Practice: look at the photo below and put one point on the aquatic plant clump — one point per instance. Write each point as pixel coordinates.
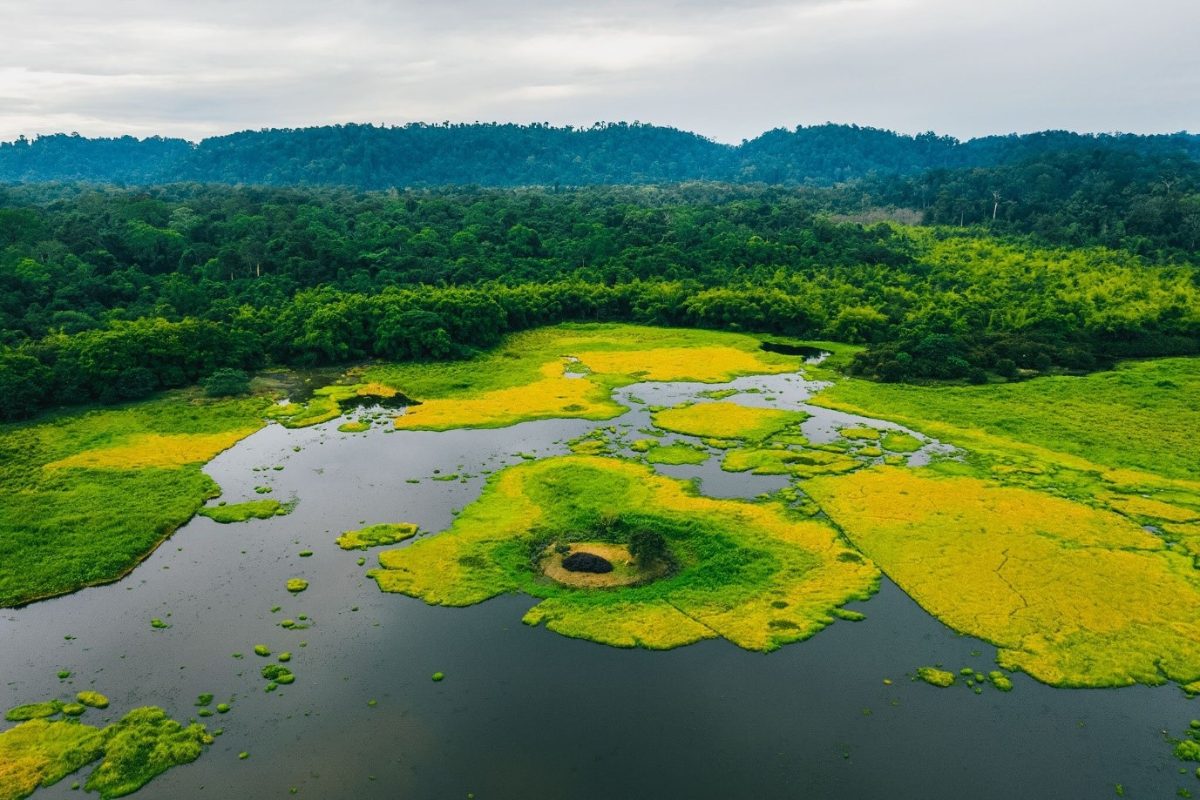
(377, 535)
(92, 699)
(132, 751)
(1071, 594)
(936, 677)
(727, 421)
(676, 454)
(296, 585)
(753, 573)
(240, 512)
(34, 711)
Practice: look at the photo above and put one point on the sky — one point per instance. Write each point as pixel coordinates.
(727, 70)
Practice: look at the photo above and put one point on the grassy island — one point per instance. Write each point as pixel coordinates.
(752, 573)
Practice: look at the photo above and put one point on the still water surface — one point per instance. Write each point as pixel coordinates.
(525, 713)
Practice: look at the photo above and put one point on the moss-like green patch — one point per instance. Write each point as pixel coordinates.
(132, 751)
(88, 494)
(936, 677)
(296, 585)
(357, 426)
(731, 561)
(376, 535)
(728, 421)
(898, 442)
(677, 453)
(863, 433)
(92, 699)
(240, 512)
(33, 711)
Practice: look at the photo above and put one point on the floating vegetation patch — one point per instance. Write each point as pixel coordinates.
(729, 563)
(936, 677)
(1071, 594)
(727, 421)
(132, 752)
(863, 434)
(677, 453)
(251, 509)
(296, 585)
(356, 426)
(376, 535)
(92, 699)
(34, 711)
(900, 442)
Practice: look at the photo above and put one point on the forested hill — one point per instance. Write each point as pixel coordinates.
(420, 155)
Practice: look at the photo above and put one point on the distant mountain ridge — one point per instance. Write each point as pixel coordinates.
(508, 155)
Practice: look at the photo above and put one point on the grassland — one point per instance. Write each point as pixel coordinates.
(1071, 594)
(568, 371)
(1142, 415)
(752, 573)
(88, 494)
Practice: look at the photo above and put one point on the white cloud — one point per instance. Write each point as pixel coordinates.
(725, 70)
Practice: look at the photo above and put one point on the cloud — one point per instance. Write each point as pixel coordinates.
(721, 69)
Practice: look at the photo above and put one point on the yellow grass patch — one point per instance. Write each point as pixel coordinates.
(156, 450)
(1073, 595)
(703, 364)
(553, 395)
(726, 420)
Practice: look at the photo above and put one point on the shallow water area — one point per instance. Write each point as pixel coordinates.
(524, 712)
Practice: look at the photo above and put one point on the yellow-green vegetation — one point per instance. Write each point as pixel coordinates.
(863, 433)
(356, 426)
(898, 442)
(296, 585)
(936, 677)
(728, 421)
(568, 371)
(240, 512)
(677, 453)
(330, 402)
(132, 751)
(33, 711)
(1140, 416)
(642, 445)
(376, 535)
(88, 494)
(782, 461)
(92, 699)
(1071, 594)
(753, 573)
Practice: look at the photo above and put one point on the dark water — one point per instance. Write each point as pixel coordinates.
(525, 713)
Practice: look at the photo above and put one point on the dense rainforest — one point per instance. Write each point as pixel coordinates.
(1065, 253)
(422, 155)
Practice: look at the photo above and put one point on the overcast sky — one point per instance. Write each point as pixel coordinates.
(726, 70)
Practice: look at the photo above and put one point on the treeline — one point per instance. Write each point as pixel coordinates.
(1114, 198)
(961, 308)
(506, 155)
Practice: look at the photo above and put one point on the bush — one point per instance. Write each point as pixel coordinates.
(226, 383)
(647, 547)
